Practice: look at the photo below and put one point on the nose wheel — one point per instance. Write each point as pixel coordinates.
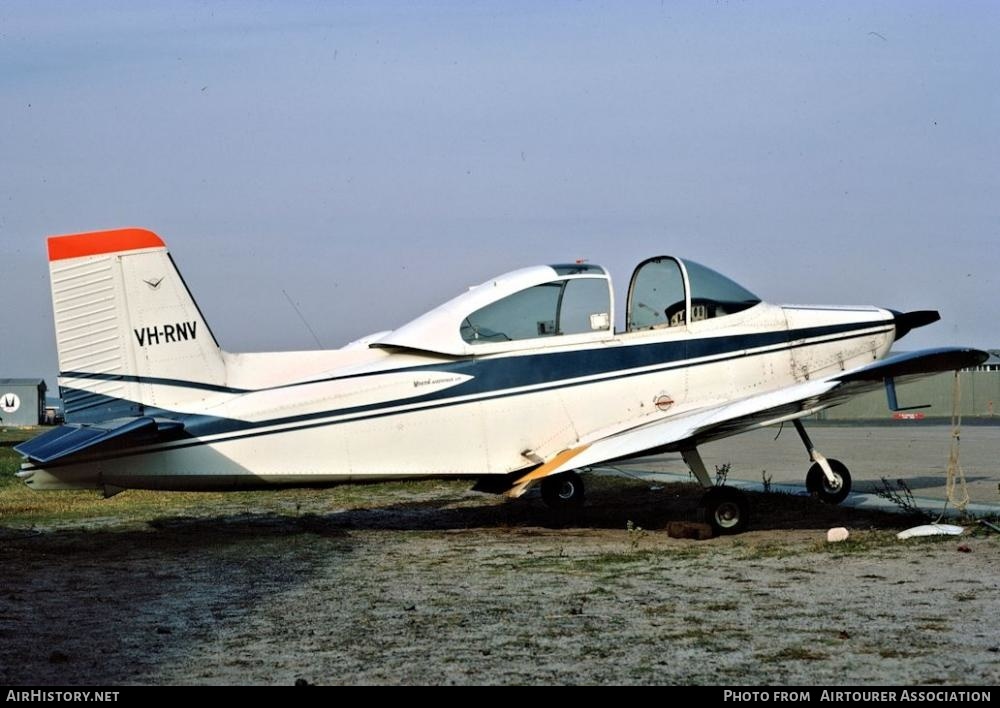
(830, 491)
(827, 479)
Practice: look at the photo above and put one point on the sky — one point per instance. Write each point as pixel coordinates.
(369, 160)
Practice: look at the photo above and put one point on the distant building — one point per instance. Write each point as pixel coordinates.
(991, 364)
(22, 402)
(55, 412)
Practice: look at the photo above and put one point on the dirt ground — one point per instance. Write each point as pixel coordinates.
(444, 586)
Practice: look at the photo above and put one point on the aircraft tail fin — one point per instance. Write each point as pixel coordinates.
(129, 334)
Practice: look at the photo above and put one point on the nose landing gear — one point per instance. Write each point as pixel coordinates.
(828, 479)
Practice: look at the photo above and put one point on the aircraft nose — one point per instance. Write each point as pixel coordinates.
(906, 321)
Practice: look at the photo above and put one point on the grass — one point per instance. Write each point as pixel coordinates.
(770, 550)
(605, 562)
(727, 606)
(20, 505)
(431, 507)
(10, 462)
(799, 653)
(608, 565)
(897, 653)
(861, 542)
(12, 436)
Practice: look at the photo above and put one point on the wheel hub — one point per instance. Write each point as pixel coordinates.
(727, 515)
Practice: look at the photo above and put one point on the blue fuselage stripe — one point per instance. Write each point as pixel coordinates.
(546, 365)
(500, 377)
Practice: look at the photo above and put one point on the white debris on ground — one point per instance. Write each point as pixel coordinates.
(836, 535)
(931, 530)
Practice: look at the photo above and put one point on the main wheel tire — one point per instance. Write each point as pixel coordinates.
(563, 491)
(818, 484)
(726, 509)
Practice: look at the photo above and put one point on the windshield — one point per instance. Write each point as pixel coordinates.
(715, 295)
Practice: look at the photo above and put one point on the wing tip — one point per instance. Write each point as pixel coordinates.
(920, 362)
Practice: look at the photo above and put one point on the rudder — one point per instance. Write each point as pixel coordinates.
(130, 336)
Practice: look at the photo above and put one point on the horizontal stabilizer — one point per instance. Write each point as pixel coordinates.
(69, 440)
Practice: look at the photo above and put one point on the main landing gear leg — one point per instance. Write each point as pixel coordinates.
(725, 508)
(830, 479)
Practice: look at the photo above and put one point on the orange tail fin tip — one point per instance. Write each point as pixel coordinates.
(97, 242)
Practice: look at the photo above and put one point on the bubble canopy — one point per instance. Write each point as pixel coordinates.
(565, 304)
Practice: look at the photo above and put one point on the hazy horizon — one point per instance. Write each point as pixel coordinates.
(373, 160)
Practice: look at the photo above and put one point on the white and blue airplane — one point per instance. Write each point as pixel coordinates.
(521, 380)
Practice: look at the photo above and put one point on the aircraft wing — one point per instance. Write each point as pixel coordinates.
(692, 428)
(918, 364)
